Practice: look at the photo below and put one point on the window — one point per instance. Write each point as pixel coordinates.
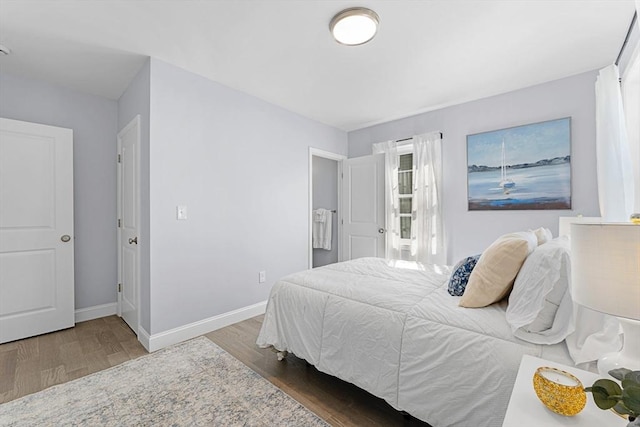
(405, 194)
(413, 177)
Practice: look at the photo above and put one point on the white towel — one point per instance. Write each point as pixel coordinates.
(321, 230)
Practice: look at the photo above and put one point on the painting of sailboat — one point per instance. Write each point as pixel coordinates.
(520, 168)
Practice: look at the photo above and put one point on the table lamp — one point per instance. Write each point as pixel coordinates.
(605, 270)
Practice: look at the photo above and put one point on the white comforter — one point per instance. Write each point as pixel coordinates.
(397, 333)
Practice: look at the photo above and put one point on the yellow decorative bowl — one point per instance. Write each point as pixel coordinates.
(560, 391)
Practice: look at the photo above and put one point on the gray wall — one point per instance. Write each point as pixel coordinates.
(240, 165)
(471, 232)
(325, 195)
(136, 101)
(94, 123)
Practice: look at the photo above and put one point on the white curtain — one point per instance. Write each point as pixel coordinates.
(427, 231)
(392, 202)
(615, 175)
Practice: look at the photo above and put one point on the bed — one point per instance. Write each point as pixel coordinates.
(393, 329)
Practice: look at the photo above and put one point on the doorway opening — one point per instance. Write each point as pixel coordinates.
(325, 225)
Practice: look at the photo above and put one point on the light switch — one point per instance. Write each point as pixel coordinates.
(181, 212)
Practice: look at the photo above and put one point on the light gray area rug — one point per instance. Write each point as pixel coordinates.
(195, 383)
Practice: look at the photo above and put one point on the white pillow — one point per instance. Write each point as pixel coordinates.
(543, 235)
(540, 307)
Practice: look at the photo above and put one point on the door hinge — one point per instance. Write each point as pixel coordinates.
(119, 287)
(119, 158)
(119, 223)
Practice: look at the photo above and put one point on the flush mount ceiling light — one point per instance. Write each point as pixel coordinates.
(354, 26)
(4, 50)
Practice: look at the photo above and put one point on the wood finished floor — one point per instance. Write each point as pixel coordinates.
(33, 364)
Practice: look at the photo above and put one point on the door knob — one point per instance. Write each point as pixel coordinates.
(65, 238)
(381, 230)
(134, 240)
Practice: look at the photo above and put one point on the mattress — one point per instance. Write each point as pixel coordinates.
(391, 328)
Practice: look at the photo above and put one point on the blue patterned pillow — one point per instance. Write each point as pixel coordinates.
(460, 275)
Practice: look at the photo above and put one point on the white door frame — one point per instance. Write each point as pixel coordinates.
(331, 156)
(134, 122)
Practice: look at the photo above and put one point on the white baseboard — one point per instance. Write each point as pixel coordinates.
(96, 312)
(144, 337)
(173, 336)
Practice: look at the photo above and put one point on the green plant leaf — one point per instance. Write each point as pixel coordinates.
(631, 399)
(611, 387)
(619, 373)
(629, 383)
(633, 376)
(606, 393)
(621, 409)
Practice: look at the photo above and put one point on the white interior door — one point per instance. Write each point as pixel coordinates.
(129, 223)
(36, 229)
(363, 207)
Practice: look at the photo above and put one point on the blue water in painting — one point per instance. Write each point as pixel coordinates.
(552, 182)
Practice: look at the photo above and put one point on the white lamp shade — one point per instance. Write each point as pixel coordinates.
(605, 268)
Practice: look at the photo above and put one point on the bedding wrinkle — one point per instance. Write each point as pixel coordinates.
(404, 324)
(324, 311)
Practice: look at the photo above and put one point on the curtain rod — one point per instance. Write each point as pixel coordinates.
(626, 39)
(410, 138)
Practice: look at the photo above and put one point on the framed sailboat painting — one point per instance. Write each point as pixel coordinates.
(525, 167)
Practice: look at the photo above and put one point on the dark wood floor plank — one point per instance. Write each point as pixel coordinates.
(109, 342)
(118, 358)
(53, 376)
(49, 351)
(8, 362)
(27, 380)
(133, 348)
(28, 349)
(72, 356)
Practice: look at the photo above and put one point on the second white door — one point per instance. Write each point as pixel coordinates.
(363, 230)
(129, 223)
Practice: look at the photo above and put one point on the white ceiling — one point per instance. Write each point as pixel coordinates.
(427, 54)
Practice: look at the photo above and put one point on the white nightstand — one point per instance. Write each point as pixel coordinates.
(525, 409)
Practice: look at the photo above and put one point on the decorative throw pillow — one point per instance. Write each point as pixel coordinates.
(493, 276)
(543, 235)
(460, 275)
(540, 306)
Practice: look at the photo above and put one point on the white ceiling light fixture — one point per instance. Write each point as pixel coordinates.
(4, 50)
(354, 26)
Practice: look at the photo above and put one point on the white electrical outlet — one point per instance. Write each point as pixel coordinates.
(262, 276)
(181, 212)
